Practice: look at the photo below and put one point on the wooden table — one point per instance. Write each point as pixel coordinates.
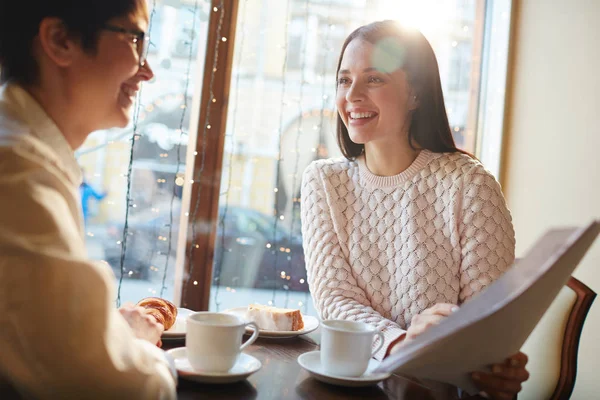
(281, 377)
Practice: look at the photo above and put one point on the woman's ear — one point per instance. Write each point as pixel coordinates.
(56, 43)
(413, 101)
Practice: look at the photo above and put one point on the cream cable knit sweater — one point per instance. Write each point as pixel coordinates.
(61, 336)
(383, 249)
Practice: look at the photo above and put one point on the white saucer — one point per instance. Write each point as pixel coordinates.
(310, 324)
(245, 366)
(177, 331)
(311, 362)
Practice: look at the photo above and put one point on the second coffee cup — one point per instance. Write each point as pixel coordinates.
(347, 347)
(214, 340)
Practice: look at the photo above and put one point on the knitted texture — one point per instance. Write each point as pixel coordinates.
(383, 249)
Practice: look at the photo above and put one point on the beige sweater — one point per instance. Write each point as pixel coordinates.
(383, 249)
(61, 336)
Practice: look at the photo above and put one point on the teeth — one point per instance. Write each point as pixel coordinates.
(354, 115)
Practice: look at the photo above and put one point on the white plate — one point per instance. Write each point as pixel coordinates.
(245, 366)
(177, 331)
(310, 324)
(311, 362)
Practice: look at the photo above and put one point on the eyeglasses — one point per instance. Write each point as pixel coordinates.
(139, 38)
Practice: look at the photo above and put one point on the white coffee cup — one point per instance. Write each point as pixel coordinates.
(347, 346)
(214, 340)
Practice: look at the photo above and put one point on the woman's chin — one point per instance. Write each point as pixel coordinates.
(358, 138)
(122, 117)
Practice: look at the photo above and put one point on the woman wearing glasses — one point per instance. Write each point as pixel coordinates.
(69, 67)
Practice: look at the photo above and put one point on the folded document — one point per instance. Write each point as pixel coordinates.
(495, 323)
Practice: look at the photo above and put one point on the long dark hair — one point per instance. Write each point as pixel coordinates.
(429, 128)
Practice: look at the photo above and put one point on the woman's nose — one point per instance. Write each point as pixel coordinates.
(145, 72)
(355, 93)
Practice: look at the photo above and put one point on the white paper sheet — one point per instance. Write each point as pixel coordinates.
(494, 324)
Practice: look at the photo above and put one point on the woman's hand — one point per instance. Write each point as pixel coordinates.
(505, 380)
(421, 322)
(144, 326)
(431, 316)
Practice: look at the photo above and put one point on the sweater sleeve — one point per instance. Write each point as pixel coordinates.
(332, 284)
(487, 237)
(61, 335)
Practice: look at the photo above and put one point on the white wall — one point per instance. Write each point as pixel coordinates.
(551, 169)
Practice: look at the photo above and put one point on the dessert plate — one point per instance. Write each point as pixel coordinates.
(310, 324)
(177, 331)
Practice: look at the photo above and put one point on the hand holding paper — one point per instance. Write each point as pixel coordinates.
(421, 322)
(503, 382)
(428, 318)
(495, 323)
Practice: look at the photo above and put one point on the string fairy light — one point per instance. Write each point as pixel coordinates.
(280, 133)
(297, 147)
(181, 133)
(128, 199)
(322, 112)
(162, 240)
(278, 216)
(324, 96)
(218, 265)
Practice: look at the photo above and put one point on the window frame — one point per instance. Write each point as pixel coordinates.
(196, 253)
(492, 105)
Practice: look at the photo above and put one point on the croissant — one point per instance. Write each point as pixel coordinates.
(163, 310)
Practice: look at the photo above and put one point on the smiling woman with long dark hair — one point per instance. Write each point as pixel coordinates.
(406, 227)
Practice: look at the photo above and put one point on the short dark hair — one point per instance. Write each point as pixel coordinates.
(20, 21)
(429, 127)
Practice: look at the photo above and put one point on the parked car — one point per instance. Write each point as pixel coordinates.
(250, 249)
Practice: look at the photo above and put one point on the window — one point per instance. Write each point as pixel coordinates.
(460, 66)
(213, 217)
(296, 38)
(155, 176)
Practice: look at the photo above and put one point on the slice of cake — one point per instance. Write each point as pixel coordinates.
(275, 319)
